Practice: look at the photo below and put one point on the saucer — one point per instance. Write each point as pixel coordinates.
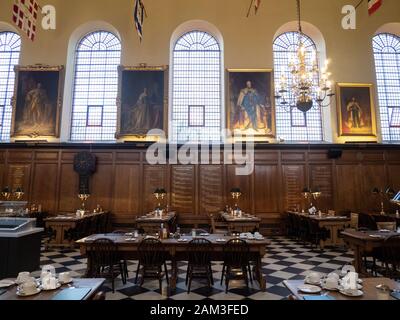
(22, 294)
(183, 240)
(329, 289)
(58, 286)
(67, 282)
(204, 234)
(309, 289)
(354, 293)
(6, 283)
(220, 240)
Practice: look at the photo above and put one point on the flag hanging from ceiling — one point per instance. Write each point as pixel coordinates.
(257, 5)
(139, 17)
(25, 14)
(373, 6)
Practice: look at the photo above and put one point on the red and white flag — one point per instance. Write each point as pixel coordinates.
(374, 5)
(25, 13)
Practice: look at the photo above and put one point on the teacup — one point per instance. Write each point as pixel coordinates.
(28, 287)
(331, 283)
(313, 277)
(64, 277)
(334, 275)
(23, 277)
(49, 283)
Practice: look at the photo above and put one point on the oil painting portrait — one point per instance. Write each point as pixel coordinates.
(250, 103)
(356, 110)
(37, 101)
(142, 100)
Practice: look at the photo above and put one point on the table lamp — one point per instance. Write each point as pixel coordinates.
(389, 192)
(236, 193)
(160, 194)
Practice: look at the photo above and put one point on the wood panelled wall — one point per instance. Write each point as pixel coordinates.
(124, 182)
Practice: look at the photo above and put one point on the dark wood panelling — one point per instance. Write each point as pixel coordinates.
(373, 176)
(44, 186)
(18, 175)
(183, 189)
(126, 199)
(69, 182)
(154, 177)
(242, 182)
(348, 189)
(266, 190)
(124, 183)
(293, 184)
(321, 177)
(211, 193)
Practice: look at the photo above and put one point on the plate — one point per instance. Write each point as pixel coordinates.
(359, 287)
(21, 294)
(354, 293)
(6, 283)
(377, 236)
(385, 231)
(183, 240)
(67, 282)
(57, 287)
(204, 234)
(220, 240)
(309, 289)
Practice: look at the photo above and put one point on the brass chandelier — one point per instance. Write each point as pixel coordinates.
(309, 87)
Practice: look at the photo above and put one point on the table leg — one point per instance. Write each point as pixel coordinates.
(358, 264)
(259, 275)
(174, 272)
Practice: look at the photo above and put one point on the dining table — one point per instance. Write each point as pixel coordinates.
(151, 223)
(241, 223)
(63, 222)
(91, 285)
(369, 289)
(362, 242)
(176, 250)
(335, 224)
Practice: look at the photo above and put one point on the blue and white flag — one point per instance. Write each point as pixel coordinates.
(139, 18)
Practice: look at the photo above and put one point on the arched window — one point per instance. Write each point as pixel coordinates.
(196, 89)
(387, 63)
(94, 110)
(295, 125)
(10, 47)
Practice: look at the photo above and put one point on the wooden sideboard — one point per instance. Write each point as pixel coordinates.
(124, 182)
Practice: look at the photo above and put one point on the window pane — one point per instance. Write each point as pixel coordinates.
(94, 113)
(10, 47)
(196, 93)
(294, 125)
(387, 65)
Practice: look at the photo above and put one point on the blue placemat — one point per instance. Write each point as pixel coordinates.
(318, 298)
(72, 294)
(395, 295)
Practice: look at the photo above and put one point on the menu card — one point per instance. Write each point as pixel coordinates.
(72, 294)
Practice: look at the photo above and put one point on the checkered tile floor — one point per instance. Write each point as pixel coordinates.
(285, 259)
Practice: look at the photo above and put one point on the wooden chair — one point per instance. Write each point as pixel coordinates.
(316, 233)
(236, 262)
(391, 257)
(105, 261)
(392, 226)
(199, 262)
(123, 261)
(354, 220)
(152, 257)
(218, 225)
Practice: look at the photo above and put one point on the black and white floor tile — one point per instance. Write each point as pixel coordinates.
(285, 259)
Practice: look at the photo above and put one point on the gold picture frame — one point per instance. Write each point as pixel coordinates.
(34, 90)
(123, 105)
(356, 110)
(234, 89)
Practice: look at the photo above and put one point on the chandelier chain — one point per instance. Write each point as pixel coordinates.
(299, 16)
